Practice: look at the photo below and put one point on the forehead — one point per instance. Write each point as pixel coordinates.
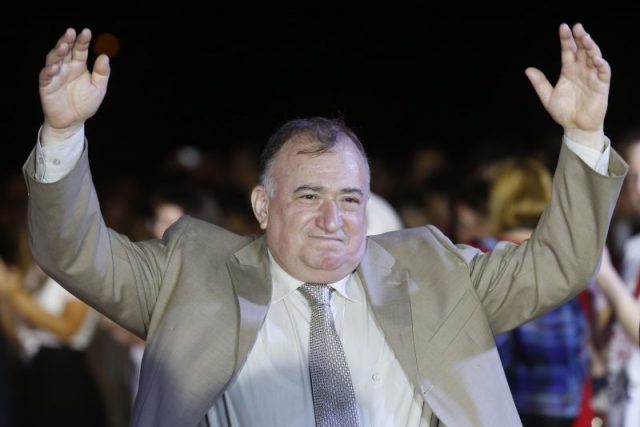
(304, 148)
(303, 157)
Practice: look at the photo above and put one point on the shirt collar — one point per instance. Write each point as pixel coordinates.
(284, 284)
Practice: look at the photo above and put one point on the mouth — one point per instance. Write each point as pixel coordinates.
(328, 238)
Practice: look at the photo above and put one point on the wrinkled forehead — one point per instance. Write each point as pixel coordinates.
(305, 145)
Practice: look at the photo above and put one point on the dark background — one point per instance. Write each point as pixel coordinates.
(402, 77)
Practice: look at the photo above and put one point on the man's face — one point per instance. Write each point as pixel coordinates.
(633, 178)
(315, 219)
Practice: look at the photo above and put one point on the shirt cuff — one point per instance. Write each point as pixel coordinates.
(55, 161)
(598, 161)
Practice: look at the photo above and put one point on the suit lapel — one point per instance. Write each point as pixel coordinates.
(387, 288)
(251, 279)
(388, 291)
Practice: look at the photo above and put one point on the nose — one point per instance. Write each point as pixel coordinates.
(330, 217)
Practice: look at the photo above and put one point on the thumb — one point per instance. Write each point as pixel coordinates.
(101, 72)
(540, 83)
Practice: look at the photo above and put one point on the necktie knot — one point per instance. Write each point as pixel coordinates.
(316, 293)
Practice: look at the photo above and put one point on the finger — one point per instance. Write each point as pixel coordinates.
(48, 73)
(540, 84)
(58, 53)
(603, 68)
(80, 51)
(583, 41)
(578, 30)
(590, 46)
(592, 52)
(101, 72)
(567, 44)
(591, 59)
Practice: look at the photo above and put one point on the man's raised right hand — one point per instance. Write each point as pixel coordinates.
(69, 93)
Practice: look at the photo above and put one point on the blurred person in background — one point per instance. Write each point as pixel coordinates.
(55, 385)
(623, 350)
(382, 217)
(624, 304)
(470, 210)
(7, 333)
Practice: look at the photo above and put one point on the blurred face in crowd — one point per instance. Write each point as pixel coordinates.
(470, 224)
(313, 209)
(633, 177)
(165, 214)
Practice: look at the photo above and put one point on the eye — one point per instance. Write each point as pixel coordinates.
(350, 204)
(309, 196)
(353, 200)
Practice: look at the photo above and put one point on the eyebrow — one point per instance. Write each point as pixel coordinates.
(319, 189)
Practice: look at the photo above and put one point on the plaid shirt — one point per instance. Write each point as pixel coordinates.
(546, 362)
(546, 359)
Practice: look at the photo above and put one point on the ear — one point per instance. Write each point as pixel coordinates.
(260, 204)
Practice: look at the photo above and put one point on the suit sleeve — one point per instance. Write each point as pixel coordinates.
(518, 282)
(72, 244)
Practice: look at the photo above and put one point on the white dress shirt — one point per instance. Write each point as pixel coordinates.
(273, 387)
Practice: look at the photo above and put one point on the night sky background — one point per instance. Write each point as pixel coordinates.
(401, 77)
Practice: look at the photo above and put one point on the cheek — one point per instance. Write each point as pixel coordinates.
(355, 226)
(290, 224)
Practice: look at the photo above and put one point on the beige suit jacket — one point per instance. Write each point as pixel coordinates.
(200, 295)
